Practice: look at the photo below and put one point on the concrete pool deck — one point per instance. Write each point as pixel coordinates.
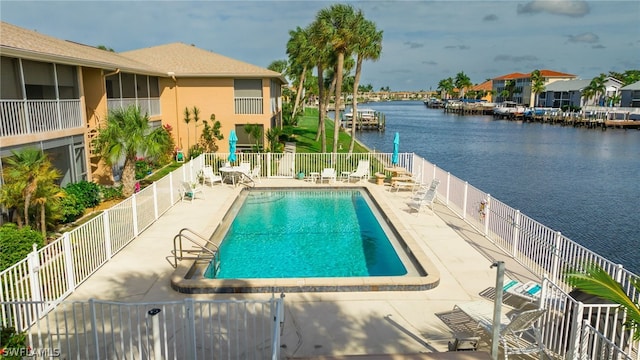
(324, 323)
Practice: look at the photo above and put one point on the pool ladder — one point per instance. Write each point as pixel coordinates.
(204, 249)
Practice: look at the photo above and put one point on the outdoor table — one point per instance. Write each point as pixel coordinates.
(231, 172)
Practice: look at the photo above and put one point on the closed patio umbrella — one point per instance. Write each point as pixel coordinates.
(233, 139)
(396, 148)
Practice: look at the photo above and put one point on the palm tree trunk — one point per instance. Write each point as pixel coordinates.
(336, 128)
(354, 103)
(129, 176)
(321, 110)
(28, 193)
(43, 221)
(299, 94)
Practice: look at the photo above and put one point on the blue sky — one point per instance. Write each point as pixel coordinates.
(424, 41)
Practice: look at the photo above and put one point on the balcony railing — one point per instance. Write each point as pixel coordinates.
(248, 105)
(149, 106)
(23, 117)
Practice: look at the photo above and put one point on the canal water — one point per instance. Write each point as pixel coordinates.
(584, 183)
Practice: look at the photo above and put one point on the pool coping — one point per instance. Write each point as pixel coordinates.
(181, 282)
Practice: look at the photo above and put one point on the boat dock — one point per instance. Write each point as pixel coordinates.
(366, 119)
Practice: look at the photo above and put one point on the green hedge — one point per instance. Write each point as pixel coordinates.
(16, 243)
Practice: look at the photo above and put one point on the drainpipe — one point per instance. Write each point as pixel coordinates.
(172, 75)
(112, 73)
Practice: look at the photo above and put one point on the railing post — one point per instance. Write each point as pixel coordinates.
(575, 334)
(94, 327)
(107, 234)
(68, 260)
(584, 341)
(190, 334)
(33, 263)
(155, 201)
(556, 258)
(464, 200)
(516, 234)
(487, 212)
(134, 214)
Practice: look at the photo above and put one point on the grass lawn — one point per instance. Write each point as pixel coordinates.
(305, 135)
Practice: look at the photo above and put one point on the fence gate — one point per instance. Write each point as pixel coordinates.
(188, 329)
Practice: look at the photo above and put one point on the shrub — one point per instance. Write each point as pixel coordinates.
(12, 339)
(70, 208)
(87, 193)
(110, 192)
(143, 168)
(16, 243)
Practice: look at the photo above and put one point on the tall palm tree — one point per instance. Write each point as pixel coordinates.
(462, 82)
(47, 194)
(300, 60)
(537, 85)
(446, 86)
(599, 87)
(320, 52)
(595, 281)
(368, 46)
(337, 22)
(25, 171)
(126, 135)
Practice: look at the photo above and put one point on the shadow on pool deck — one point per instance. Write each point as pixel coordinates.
(329, 323)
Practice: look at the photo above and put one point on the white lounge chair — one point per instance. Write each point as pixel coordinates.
(209, 177)
(518, 334)
(190, 191)
(412, 183)
(328, 174)
(424, 196)
(361, 172)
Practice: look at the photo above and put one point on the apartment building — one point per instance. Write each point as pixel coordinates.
(55, 94)
(517, 86)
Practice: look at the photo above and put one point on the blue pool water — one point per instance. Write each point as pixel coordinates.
(306, 233)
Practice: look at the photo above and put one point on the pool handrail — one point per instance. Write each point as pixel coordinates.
(209, 247)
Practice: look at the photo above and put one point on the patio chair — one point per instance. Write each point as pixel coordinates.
(361, 172)
(424, 196)
(328, 174)
(518, 334)
(413, 183)
(190, 191)
(208, 176)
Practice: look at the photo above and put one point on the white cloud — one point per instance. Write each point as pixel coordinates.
(557, 7)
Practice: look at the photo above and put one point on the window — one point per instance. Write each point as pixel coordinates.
(10, 84)
(248, 96)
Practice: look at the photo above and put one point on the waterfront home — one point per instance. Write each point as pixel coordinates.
(56, 94)
(570, 93)
(519, 85)
(630, 95)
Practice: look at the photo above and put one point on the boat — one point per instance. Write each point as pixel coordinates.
(434, 103)
(508, 109)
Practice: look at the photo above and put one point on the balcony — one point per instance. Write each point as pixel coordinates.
(248, 105)
(150, 106)
(23, 117)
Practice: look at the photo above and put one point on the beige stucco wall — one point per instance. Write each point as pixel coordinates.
(210, 96)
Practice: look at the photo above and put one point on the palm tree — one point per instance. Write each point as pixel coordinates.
(128, 134)
(462, 82)
(187, 120)
(368, 46)
(599, 87)
(595, 281)
(320, 52)
(47, 194)
(537, 85)
(26, 170)
(337, 23)
(446, 86)
(299, 51)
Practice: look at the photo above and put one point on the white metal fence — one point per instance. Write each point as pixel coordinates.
(49, 274)
(187, 329)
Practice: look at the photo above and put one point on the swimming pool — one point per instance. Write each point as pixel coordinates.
(376, 269)
(306, 233)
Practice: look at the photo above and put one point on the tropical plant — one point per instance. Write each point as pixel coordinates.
(210, 135)
(300, 61)
(48, 197)
(126, 135)
(196, 117)
(187, 120)
(255, 133)
(614, 100)
(16, 243)
(367, 46)
(278, 66)
(462, 82)
(25, 172)
(594, 280)
(321, 56)
(87, 193)
(537, 85)
(596, 88)
(273, 137)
